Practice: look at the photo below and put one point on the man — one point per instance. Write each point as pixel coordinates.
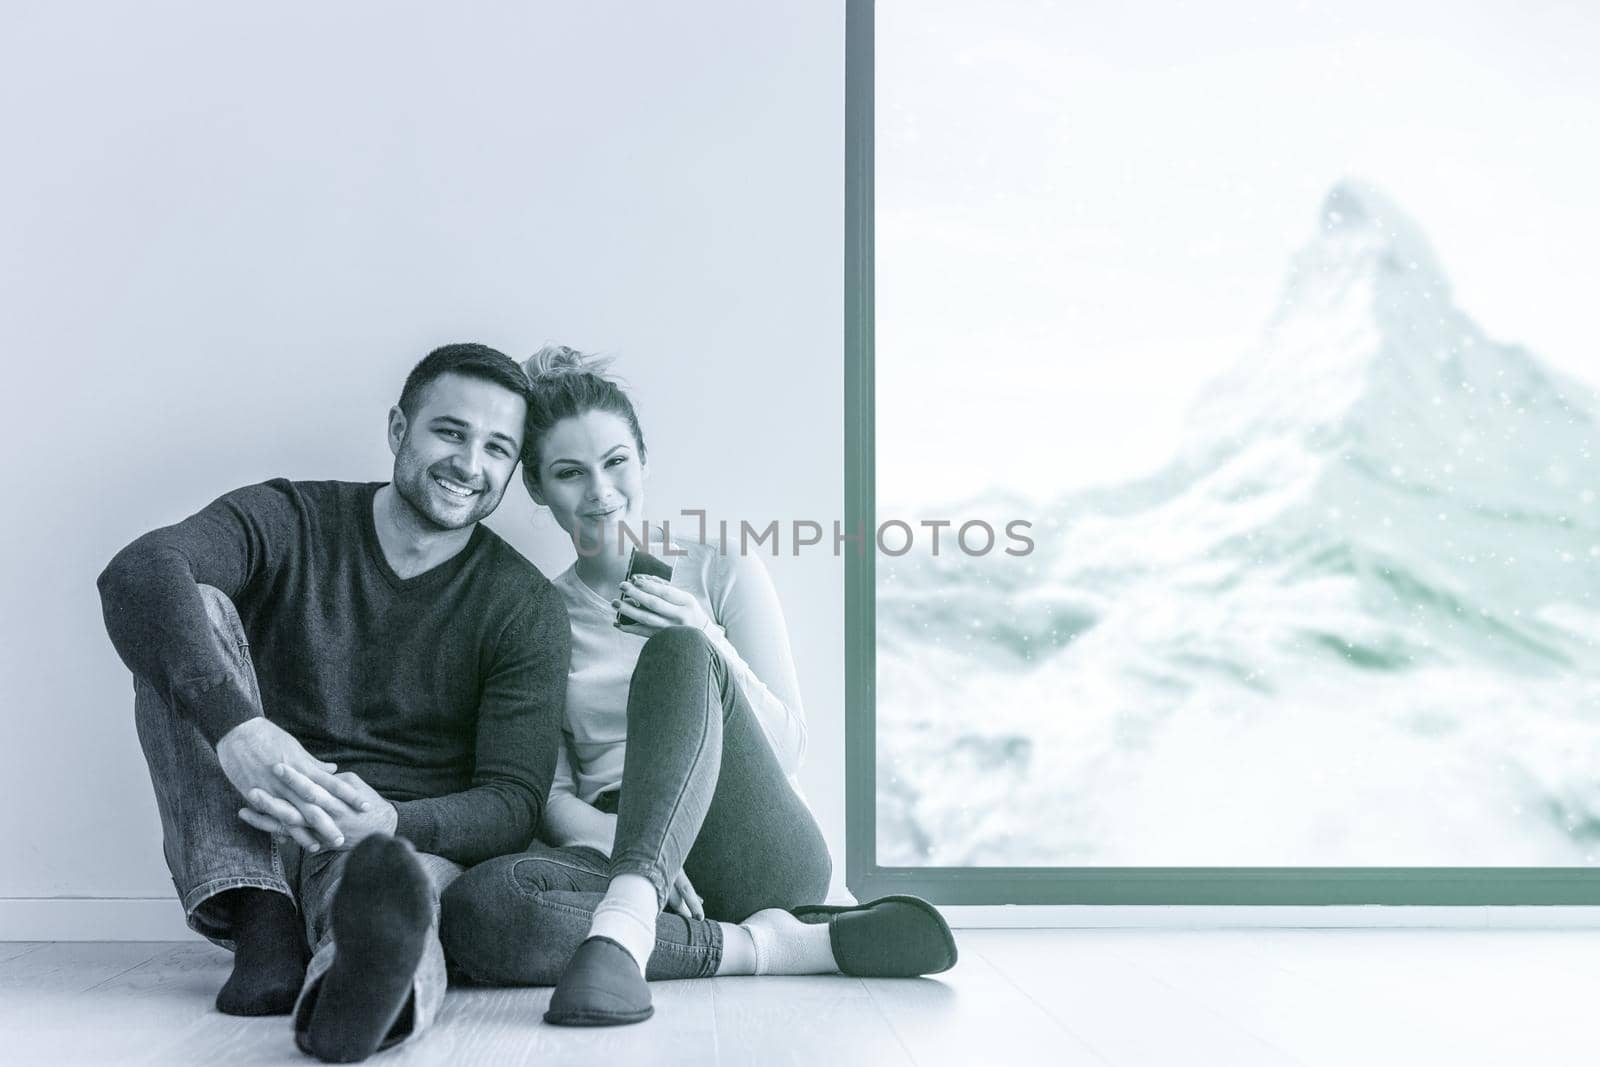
(378, 678)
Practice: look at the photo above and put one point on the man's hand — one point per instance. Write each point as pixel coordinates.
(370, 814)
(249, 752)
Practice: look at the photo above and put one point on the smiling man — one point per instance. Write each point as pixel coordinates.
(346, 693)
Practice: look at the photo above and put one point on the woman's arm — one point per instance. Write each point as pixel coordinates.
(571, 820)
(749, 631)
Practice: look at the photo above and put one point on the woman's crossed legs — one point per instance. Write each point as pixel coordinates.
(702, 790)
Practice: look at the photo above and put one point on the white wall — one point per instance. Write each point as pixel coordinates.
(230, 230)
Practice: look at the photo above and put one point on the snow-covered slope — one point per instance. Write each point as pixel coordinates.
(1354, 621)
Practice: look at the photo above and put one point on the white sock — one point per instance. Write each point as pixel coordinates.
(627, 916)
(785, 945)
(738, 951)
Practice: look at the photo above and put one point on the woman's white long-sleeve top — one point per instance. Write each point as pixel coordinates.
(747, 628)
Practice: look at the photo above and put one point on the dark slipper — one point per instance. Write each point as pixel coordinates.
(601, 986)
(891, 937)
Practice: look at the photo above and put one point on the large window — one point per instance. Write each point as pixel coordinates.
(1270, 325)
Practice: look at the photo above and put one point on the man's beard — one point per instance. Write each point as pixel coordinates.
(416, 487)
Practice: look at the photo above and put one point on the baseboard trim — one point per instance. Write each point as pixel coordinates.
(93, 919)
(160, 918)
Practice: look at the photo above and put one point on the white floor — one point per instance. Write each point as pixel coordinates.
(1225, 997)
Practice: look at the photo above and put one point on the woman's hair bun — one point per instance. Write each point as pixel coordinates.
(557, 361)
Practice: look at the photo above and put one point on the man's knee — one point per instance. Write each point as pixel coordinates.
(227, 630)
(189, 781)
(228, 633)
(224, 617)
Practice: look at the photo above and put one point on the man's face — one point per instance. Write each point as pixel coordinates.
(454, 455)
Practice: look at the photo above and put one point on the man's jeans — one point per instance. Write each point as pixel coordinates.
(209, 849)
(702, 791)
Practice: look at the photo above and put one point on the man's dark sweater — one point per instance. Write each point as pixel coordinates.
(444, 691)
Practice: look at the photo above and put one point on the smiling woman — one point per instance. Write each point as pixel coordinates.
(674, 784)
(594, 480)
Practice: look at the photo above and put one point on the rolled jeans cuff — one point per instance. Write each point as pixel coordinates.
(646, 867)
(196, 898)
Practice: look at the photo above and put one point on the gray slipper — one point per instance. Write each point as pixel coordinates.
(891, 937)
(601, 986)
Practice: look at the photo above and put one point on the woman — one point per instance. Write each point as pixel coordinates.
(674, 786)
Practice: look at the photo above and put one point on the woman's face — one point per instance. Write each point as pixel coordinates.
(591, 478)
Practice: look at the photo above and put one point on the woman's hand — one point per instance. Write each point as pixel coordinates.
(657, 605)
(682, 898)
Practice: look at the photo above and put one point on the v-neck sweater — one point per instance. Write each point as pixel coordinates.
(443, 691)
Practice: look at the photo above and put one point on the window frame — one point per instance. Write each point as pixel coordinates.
(1053, 885)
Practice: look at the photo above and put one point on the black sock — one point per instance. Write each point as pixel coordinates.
(269, 958)
(381, 915)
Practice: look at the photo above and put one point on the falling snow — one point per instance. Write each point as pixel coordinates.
(1306, 640)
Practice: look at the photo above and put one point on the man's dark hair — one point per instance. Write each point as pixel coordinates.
(470, 360)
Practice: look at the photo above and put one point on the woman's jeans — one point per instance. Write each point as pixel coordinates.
(209, 849)
(701, 790)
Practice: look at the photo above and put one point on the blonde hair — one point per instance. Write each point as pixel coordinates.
(554, 361)
(564, 383)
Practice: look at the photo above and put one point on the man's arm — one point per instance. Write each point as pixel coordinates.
(157, 619)
(159, 624)
(519, 730)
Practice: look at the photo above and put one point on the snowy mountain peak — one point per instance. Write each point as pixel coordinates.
(1353, 203)
(1371, 559)
(1369, 364)
(1359, 223)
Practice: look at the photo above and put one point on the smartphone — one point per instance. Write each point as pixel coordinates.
(641, 563)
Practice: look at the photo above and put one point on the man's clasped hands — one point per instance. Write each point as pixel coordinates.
(290, 792)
